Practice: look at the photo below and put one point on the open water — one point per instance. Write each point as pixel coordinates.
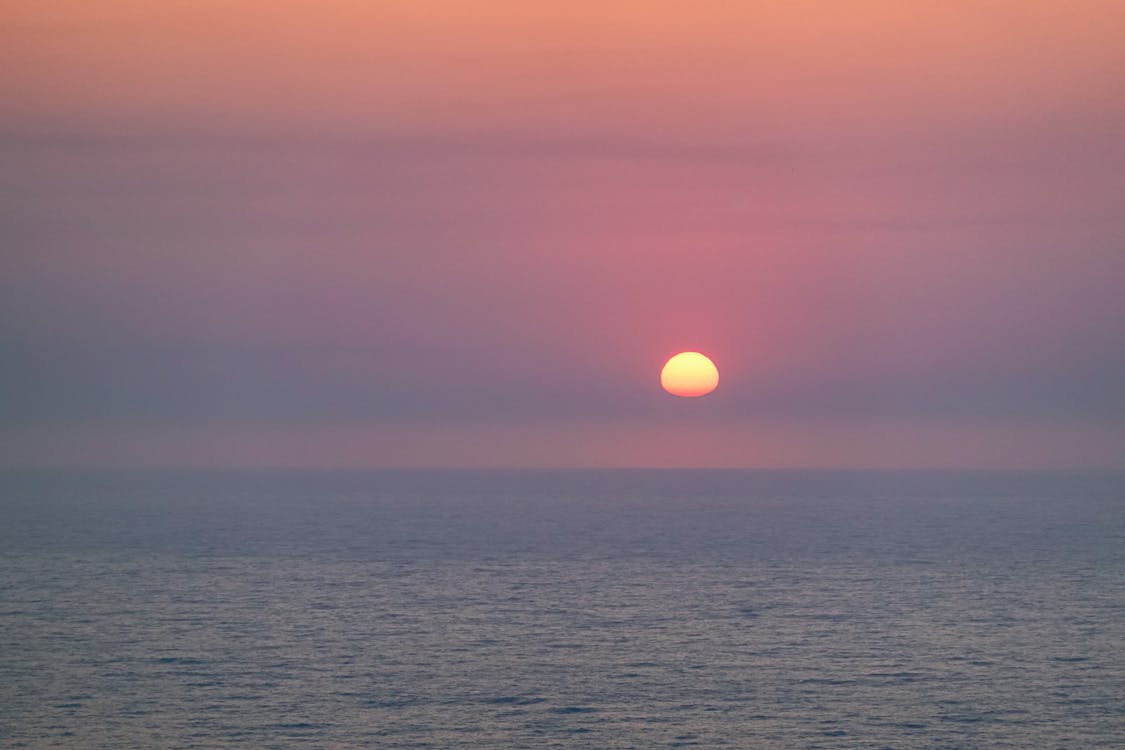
(619, 609)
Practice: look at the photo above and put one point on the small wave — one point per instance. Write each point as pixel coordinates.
(180, 660)
(515, 700)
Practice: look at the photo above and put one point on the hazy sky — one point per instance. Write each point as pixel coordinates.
(251, 232)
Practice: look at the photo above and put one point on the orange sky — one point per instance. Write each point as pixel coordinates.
(708, 68)
(455, 233)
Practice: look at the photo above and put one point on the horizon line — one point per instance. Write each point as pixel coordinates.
(569, 468)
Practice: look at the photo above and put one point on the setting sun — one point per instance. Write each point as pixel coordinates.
(689, 374)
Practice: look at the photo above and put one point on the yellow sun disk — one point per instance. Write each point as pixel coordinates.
(689, 374)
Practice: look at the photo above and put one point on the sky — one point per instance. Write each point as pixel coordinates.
(469, 234)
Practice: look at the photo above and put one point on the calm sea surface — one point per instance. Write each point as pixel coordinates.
(626, 609)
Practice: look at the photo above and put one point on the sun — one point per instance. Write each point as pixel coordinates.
(689, 374)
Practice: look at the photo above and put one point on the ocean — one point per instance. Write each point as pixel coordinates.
(562, 609)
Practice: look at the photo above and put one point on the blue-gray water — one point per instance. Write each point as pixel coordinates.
(626, 609)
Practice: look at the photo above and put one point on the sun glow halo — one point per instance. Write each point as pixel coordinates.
(689, 374)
